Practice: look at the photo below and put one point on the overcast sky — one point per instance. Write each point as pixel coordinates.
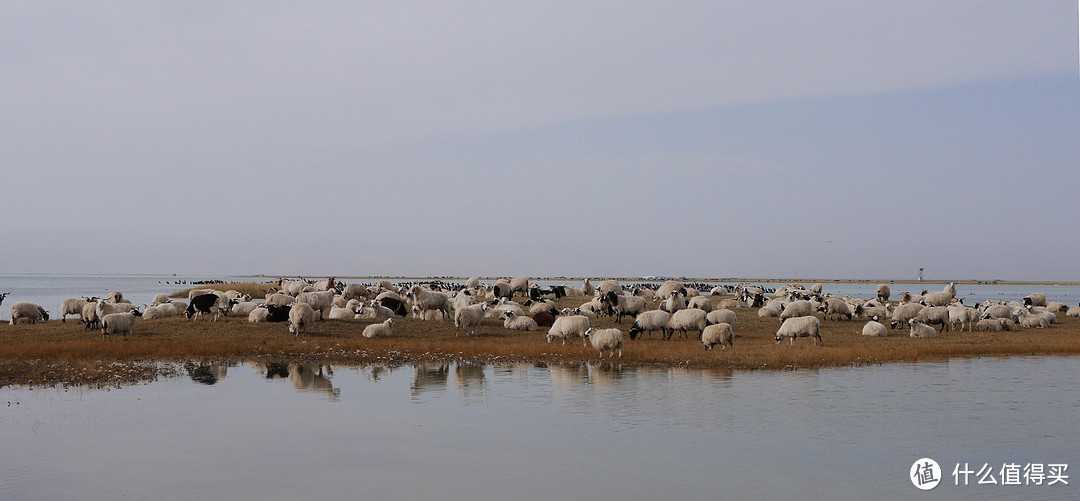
(842, 139)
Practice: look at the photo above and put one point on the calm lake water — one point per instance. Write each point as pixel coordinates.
(526, 432)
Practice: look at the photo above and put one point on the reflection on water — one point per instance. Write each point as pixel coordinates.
(541, 432)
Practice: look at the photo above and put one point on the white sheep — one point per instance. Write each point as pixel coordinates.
(519, 285)
(519, 323)
(931, 315)
(29, 312)
(674, 302)
(376, 311)
(624, 305)
(998, 311)
(805, 326)
(1035, 299)
(652, 320)
(472, 283)
(724, 316)
(684, 320)
(919, 329)
(345, 313)
(664, 291)
(883, 293)
(1031, 320)
(260, 314)
(568, 327)
(963, 315)
(152, 312)
(580, 311)
(700, 302)
(875, 328)
(937, 299)
(280, 299)
(903, 313)
(118, 323)
(382, 329)
(72, 306)
(799, 308)
(1073, 311)
(769, 310)
(89, 316)
(301, 315)
(244, 308)
(836, 307)
(320, 301)
(587, 288)
(430, 300)
(605, 339)
(718, 334)
(609, 286)
(356, 291)
(470, 316)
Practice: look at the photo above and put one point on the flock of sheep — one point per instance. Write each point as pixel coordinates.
(680, 309)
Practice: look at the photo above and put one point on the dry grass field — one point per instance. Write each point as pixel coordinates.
(65, 353)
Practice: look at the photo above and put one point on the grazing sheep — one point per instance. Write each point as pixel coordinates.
(919, 329)
(931, 315)
(430, 300)
(259, 314)
(903, 313)
(875, 328)
(118, 323)
(718, 334)
(514, 322)
(700, 302)
(622, 305)
(382, 329)
(724, 316)
(89, 316)
(805, 326)
(300, 317)
(470, 316)
(652, 320)
(72, 306)
(605, 339)
(684, 320)
(794, 309)
(836, 307)
(568, 327)
(29, 312)
(883, 293)
(1035, 299)
(216, 304)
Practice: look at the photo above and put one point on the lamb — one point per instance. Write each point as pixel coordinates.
(568, 327)
(875, 328)
(903, 313)
(934, 315)
(805, 326)
(800, 308)
(118, 323)
(470, 316)
(514, 322)
(1035, 299)
(300, 317)
(724, 316)
(653, 320)
(605, 339)
(30, 312)
(700, 302)
(919, 329)
(430, 300)
(836, 307)
(883, 293)
(718, 334)
(320, 301)
(684, 320)
(382, 329)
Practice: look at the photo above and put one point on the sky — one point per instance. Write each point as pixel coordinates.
(790, 139)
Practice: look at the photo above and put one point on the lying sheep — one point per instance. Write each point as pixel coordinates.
(345, 313)
(470, 316)
(875, 328)
(243, 308)
(29, 312)
(996, 325)
(805, 326)
(605, 339)
(300, 317)
(718, 334)
(279, 299)
(514, 322)
(118, 323)
(152, 312)
(1073, 311)
(376, 311)
(568, 327)
(1030, 320)
(259, 314)
(769, 310)
(653, 320)
(919, 329)
(382, 329)
(684, 320)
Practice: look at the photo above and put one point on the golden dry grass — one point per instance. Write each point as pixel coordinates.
(56, 352)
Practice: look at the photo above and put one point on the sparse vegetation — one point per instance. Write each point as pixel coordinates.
(66, 353)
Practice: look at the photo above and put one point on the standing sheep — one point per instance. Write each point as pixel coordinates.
(470, 316)
(30, 312)
(806, 326)
(836, 307)
(718, 334)
(652, 320)
(430, 300)
(568, 327)
(684, 320)
(903, 313)
(300, 317)
(605, 339)
(883, 293)
(118, 323)
(725, 316)
(700, 302)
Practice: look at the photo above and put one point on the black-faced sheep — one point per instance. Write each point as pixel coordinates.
(652, 320)
(118, 323)
(29, 312)
(519, 323)
(605, 339)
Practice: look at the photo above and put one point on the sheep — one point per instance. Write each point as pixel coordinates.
(118, 323)
(167, 309)
(243, 308)
(652, 320)
(382, 329)
(542, 319)
(800, 308)
(280, 299)
(30, 312)
(1035, 299)
(962, 315)
(356, 291)
(519, 284)
(837, 307)
(320, 301)
(609, 286)
(377, 311)
(700, 302)
(538, 306)
(388, 285)
(1030, 320)
(463, 299)
(805, 326)
(300, 317)
(1043, 312)
(1007, 324)
(206, 303)
(730, 303)
(426, 315)
(1073, 311)
(514, 322)
(724, 316)
(470, 316)
(290, 287)
(89, 316)
(664, 291)
(430, 300)
(568, 327)
(673, 303)
(587, 288)
(259, 314)
(718, 334)
(472, 283)
(502, 289)
(934, 315)
(151, 313)
(605, 339)
(580, 311)
(326, 285)
(816, 289)
(684, 320)
(623, 305)
(903, 313)
(161, 298)
(883, 293)
(345, 313)
(871, 309)
(769, 310)
(875, 328)
(937, 299)
(988, 324)
(72, 306)
(115, 297)
(998, 311)
(919, 329)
